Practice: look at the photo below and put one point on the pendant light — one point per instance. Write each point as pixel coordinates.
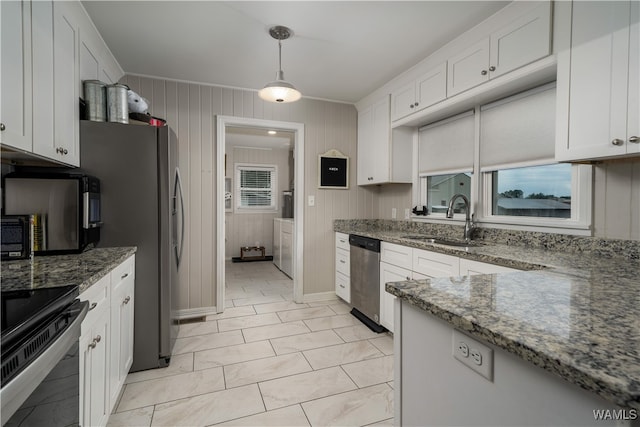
(280, 90)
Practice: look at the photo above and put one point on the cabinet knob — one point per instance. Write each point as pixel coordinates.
(2, 126)
(492, 68)
(634, 139)
(342, 286)
(64, 151)
(126, 300)
(411, 106)
(617, 141)
(408, 278)
(483, 72)
(416, 104)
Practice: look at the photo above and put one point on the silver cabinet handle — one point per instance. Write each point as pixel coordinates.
(126, 300)
(617, 141)
(408, 278)
(95, 342)
(342, 286)
(124, 276)
(492, 68)
(483, 72)
(634, 139)
(2, 126)
(93, 305)
(342, 261)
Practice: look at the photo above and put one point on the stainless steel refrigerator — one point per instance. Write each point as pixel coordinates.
(142, 205)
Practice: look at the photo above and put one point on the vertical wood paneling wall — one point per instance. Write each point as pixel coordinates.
(190, 111)
(247, 229)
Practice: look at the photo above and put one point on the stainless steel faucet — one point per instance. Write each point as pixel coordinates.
(468, 223)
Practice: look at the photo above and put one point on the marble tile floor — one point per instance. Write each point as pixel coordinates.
(267, 361)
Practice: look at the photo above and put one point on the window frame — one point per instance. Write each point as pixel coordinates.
(424, 198)
(237, 190)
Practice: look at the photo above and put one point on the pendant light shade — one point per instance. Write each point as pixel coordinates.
(279, 90)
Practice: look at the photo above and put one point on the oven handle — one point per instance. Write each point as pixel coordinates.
(20, 388)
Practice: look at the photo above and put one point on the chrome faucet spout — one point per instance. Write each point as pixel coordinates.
(468, 223)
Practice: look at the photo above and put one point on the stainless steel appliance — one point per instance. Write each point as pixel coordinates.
(67, 208)
(16, 237)
(287, 204)
(365, 280)
(142, 206)
(40, 357)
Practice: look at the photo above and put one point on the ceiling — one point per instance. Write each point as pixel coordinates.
(340, 50)
(248, 137)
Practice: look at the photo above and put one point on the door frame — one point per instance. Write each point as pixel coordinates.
(298, 243)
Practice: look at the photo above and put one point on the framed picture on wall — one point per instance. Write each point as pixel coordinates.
(333, 170)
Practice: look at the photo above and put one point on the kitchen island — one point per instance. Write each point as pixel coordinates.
(83, 269)
(571, 319)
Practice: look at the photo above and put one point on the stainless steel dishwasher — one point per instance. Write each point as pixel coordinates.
(365, 280)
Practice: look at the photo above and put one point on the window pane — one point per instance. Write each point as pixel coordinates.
(440, 189)
(538, 191)
(255, 198)
(255, 179)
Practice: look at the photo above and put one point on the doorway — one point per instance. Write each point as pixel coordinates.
(225, 126)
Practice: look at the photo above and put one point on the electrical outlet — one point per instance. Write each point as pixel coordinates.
(394, 213)
(472, 353)
(407, 213)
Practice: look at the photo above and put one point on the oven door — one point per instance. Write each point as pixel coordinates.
(46, 392)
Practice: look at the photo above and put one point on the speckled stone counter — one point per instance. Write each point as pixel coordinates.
(83, 269)
(575, 312)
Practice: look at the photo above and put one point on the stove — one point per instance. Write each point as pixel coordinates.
(40, 327)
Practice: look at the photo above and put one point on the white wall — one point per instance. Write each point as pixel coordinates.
(245, 229)
(190, 110)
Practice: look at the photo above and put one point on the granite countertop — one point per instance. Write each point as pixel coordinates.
(573, 313)
(83, 269)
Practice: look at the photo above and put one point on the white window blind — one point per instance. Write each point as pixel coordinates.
(519, 130)
(256, 187)
(447, 146)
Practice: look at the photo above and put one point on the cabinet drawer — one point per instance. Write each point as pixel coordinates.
(343, 286)
(398, 255)
(98, 297)
(342, 241)
(123, 271)
(343, 262)
(434, 264)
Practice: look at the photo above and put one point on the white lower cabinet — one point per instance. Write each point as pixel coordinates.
(399, 263)
(106, 343)
(343, 267)
(283, 245)
(94, 356)
(122, 303)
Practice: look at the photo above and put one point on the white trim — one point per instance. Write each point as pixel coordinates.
(525, 164)
(298, 245)
(320, 296)
(190, 313)
(445, 172)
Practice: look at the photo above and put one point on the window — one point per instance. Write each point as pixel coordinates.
(440, 189)
(537, 191)
(255, 188)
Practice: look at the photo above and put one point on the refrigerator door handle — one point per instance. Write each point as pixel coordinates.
(177, 188)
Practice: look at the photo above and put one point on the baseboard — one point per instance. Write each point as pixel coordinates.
(188, 313)
(319, 296)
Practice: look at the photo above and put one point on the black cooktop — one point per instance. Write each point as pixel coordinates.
(23, 310)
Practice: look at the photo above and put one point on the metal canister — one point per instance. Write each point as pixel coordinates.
(117, 103)
(95, 96)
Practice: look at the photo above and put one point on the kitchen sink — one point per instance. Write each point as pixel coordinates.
(440, 241)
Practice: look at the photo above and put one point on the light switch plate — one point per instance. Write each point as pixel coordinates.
(394, 213)
(312, 200)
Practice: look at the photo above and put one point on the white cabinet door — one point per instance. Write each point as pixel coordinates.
(431, 87)
(469, 268)
(401, 256)
(374, 143)
(522, 42)
(15, 75)
(433, 264)
(599, 82)
(277, 252)
(390, 273)
(469, 68)
(94, 372)
(403, 101)
(65, 71)
(633, 102)
(287, 252)
(121, 343)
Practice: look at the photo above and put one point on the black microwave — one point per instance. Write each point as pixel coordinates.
(65, 209)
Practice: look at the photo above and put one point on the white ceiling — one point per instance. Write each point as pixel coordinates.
(247, 137)
(340, 50)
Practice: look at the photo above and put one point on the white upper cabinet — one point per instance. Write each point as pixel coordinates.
(427, 90)
(519, 43)
(48, 48)
(15, 75)
(381, 159)
(598, 83)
